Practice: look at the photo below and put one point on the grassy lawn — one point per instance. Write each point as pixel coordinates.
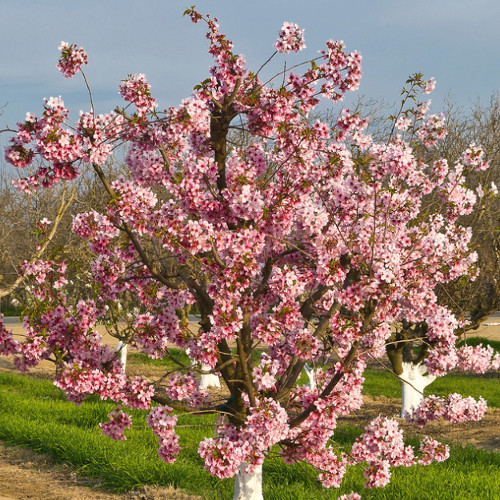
(35, 414)
(384, 383)
(379, 382)
(474, 341)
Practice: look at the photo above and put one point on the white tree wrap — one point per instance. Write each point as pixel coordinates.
(248, 486)
(414, 380)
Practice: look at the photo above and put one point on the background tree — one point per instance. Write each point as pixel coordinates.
(26, 231)
(471, 300)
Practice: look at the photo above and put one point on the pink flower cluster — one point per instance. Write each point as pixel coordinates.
(474, 157)
(336, 62)
(71, 60)
(17, 154)
(59, 146)
(44, 272)
(331, 467)
(93, 135)
(118, 422)
(382, 446)
(350, 496)
(433, 450)
(137, 393)
(185, 387)
(133, 204)
(454, 408)
(96, 227)
(79, 380)
(478, 359)
(403, 123)
(163, 424)
(430, 85)
(432, 129)
(290, 38)
(31, 352)
(136, 89)
(8, 345)
(264, 374)
(222, 457)
(98, 371)
(265, 426)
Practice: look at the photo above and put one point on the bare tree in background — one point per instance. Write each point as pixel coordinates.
(23, 238)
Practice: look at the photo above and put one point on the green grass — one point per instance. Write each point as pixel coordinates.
(10, 310)
(35, 414)
(179, 354)
(384, 383)
(379, 382)
(474, 341)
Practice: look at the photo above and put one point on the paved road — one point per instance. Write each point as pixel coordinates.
(11, 320)
(489, 329)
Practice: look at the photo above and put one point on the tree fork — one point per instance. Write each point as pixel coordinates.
(351, 356)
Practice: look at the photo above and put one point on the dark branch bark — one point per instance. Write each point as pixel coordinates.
(351, 356)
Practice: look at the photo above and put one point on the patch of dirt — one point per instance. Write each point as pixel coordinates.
(484, 434)
(25, 474)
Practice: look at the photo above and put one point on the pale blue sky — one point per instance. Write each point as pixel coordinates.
(456, 41)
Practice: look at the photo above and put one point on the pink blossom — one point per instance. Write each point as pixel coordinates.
(432, 130)
(71, 60)
(306, 242)
(477, 359)
(186, 387)
(474, 157)
(222, 457)
(429, 86)
(118, 422)
(382, 444)
(163, 424)
(7, 343)
(18, 156)
(264, 374)
(378, 474)
(291, 38)
(433, 450)
(454, 408)
(351, 496)
(402, 123)
(136, 89)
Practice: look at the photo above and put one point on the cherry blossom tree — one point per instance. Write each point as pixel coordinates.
(306, 243)
(473, 301)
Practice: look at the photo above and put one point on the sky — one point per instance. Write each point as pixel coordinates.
(455, 41)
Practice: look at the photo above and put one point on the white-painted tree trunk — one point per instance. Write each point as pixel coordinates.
(414, 380)
(248, 486)
(310, 372)
(208, 379)
(122, 349)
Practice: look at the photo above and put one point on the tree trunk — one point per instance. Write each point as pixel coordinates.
(122, 349)
(310, 372)
(414, 380)
(208, 379)
(248, 486)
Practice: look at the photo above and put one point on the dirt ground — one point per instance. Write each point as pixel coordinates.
(25, 474)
